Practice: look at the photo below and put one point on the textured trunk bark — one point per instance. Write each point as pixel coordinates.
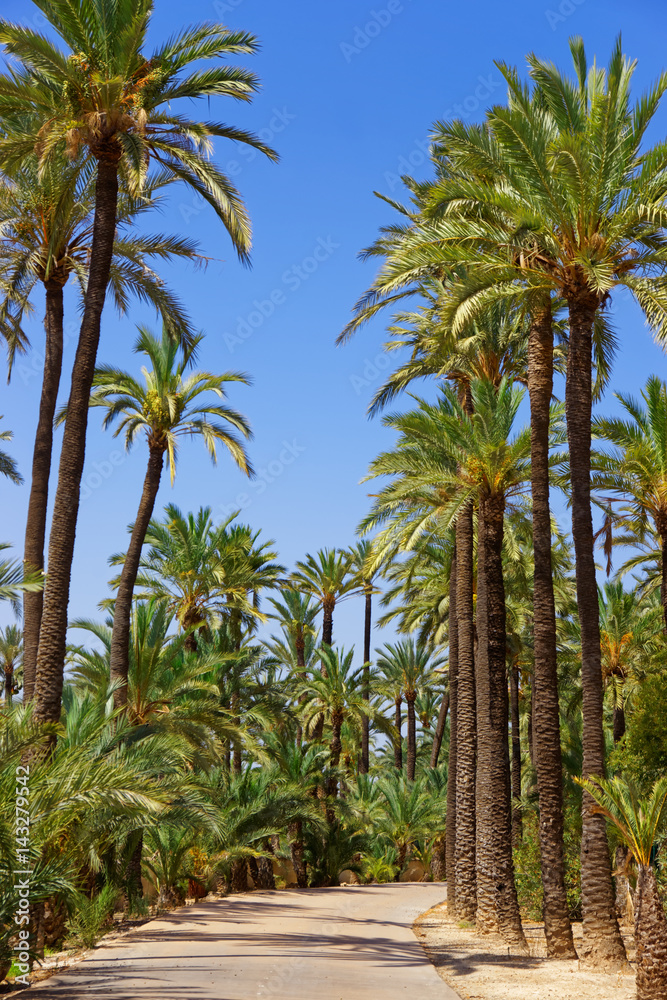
(663, 578)
(133, 871)
(619, 723)
(650, 938)
(497, 903)
(466, 723)
(253, 868)
(366, 684)
(237, 761)
(398, 744)
(624, 904)
(450, 819)
(239, 880)
(35, 529)
(545, 730)
(297, 850)
(9, 685)
(439, 730)
(439, 860)
(122, 616)
(517, 817)
(336, 747)
(300, 645)
(602, 942)
(327, 621)
(53, 630)
(265, 879)
(412, 737)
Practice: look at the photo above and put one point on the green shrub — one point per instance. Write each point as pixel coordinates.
(91, 918)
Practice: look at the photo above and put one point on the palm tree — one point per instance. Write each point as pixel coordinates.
(46, 218)
(573, 212)
(631, 632)
(300, 766)
(336, 694)
(414, 666)
(368, 569)
(297, 614)
(168, 407)
(327, 576)
(495, 469)
(411, 813)
(390, 686)
(11, 658)
(639, 823)
(191, 564)
(635, 471)
(103, 98)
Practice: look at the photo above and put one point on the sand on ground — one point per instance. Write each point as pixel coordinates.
(480, 968)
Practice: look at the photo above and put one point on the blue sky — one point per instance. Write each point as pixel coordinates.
(349, 92)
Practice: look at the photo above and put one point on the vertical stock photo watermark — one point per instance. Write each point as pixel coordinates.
(21, 875)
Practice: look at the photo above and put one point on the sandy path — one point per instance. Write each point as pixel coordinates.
(312, 944)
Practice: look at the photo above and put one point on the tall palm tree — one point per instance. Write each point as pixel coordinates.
(104, 98)
(414, 666)
(576, 212)
(328, 577)
(168, 407)
(367, 569)
(11, 658)
(639, 822)
(492, 469)
(390, 686)
(46, 218)
(635, 471)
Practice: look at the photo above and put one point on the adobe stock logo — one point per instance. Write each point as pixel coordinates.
(364, 34)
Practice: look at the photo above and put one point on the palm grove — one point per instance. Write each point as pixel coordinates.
(167, 742)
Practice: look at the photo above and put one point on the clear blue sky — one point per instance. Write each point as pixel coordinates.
(349, 92)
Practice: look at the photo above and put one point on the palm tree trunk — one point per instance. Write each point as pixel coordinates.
(35, 529)
(517, 818)
(239, 879)
(412, 736)
(650, 938)
(300, 646)
(9, 684)
(497, 902)
(133, 882)
(465, 900)
(439, 729)
(450, 819)
(619, 723)
(602, 942)
(546, 718)
(120, 636)
(236, 745)
(53, 630)
(663, 581)
(327, 622)
(335, 749)
(398, 744)
(296, 850)
(366, 684)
